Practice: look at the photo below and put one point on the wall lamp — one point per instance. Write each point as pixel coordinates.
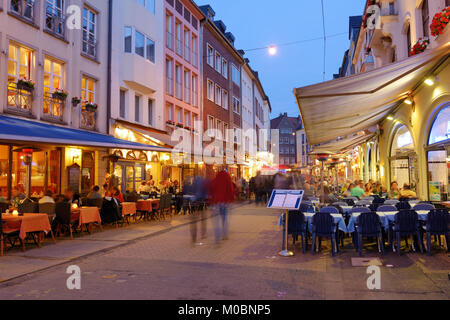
(431, 81)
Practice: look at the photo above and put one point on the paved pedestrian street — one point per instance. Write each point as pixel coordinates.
(165, 265)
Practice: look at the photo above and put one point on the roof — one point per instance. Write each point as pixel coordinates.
(294, 121)
(352, 104)
(14, 129)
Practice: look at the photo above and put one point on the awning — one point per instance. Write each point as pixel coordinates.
(152, 137)
(23, 131)
(342, 107)
(344, 145)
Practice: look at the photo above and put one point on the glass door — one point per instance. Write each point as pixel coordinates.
(438, 175)
(129, 179)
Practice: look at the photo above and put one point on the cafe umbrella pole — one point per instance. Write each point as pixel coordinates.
(285, 252)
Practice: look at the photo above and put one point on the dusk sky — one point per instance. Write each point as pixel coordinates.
(261, 23)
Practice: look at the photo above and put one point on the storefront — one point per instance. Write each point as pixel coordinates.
(438, 156)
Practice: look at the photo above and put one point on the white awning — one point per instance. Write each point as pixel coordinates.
(338, 109)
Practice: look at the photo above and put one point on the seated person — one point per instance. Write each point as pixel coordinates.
(17, 196)
(406, 192)
(118, 195)
(144, 188)
(95, 193)
(47, 198)
(357, 191)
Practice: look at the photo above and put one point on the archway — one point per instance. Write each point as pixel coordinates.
(403, 158)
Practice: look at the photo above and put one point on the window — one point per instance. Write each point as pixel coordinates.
(150, 111)
(54, 16)
(236, 105)
(236, 75)
(425, 18)
(89, 32)
(179, 39)
(194, 51)
(194, 90)
(225, 99)
(210, 90)
(23, 8)
(150, 48)
(218, 99)
(447, 3)
(292, 151)
(170, 112)
(20, 61)
(128, 39)
(88, 93)
(148, 4)
(187, 118)
(218, 62)
(122, 104)
(140, 44)
(211, 127)
(179, 116)
(392, 8)
(169, 31)
(225, 131)
(53, 80)
(219, 130)
(187, 45)
(210, 55)
(187, 86)
(441, 127)
(225, 68)
(179, 80)
(137, 108)
(169, 77)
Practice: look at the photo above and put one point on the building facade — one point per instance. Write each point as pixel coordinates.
(222, 107)
(287, 148)
(54, 76)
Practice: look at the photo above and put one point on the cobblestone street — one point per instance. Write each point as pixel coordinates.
(247, 266)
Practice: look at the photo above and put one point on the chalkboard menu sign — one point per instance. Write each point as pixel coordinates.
(73, 176)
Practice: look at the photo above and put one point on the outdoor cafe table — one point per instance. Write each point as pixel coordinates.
(88, 215)
(128, 208)
(338, 219)
(29, 222)
(385, 217)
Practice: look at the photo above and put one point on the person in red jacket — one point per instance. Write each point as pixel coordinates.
(222, 193)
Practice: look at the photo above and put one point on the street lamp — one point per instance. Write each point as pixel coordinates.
(27, 154)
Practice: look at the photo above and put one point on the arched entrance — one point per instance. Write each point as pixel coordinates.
(438, 156)
(403, 159)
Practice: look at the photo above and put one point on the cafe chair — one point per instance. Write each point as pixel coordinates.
(368, 198)
(332, 210)
(391, 202)
(95, 203)
(7, 234)
(306, 207)
(47, 208)
(369, 225)
(360, 210)
(297, 226)
(423, 207)
(110, 212)
(438, 224)
(63, 219)
(28, 207)
(3, 207)
(406, 223)
(387, 208)
(323, 226)
(403, 205)
(363, 203)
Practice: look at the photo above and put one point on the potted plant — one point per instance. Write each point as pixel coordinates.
(179, 125)
(440, 21)
(170, 122)
(59, 94)
(25, 84)
(90, 106)
(76, 101)
(420, 46)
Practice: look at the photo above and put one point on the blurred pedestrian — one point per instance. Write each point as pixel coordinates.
(199, 189)
(222, 195)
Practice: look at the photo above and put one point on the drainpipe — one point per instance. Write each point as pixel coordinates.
(108, 90)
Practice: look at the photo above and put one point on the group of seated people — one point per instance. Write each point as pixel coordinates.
(360, 190)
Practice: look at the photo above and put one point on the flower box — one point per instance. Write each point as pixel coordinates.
(92, 107)
(420, 46)
(440, 21)
(24, 84)
(170, 123)
(59, 94)
(179, 125)
(76, 101)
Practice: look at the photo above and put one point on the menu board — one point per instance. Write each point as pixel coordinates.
(285, 199)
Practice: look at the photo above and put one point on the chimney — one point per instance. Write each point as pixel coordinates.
(208, 11)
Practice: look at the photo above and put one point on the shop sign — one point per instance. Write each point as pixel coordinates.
(435, 191)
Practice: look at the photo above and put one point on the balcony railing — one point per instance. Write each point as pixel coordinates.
(89, 47)
(55, 21)
(169, 40)
(53, 108)
(23, 8)
(88, 119)
(19, 99)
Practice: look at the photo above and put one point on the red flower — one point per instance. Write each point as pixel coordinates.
(440, 21)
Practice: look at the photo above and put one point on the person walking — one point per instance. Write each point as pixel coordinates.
(222, 195)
